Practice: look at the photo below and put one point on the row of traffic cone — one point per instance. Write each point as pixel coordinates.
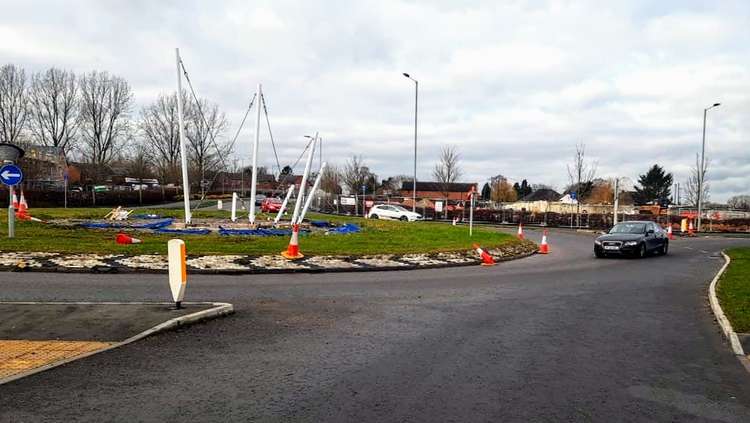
(488, 260)
(22, 208)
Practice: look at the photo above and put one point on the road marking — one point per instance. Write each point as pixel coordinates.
(704, 251)
(689, 248)
(19, 356)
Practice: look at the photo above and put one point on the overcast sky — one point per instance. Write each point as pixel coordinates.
(513, 85)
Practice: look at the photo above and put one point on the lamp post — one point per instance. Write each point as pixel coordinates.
(701, 171)
(416, 108)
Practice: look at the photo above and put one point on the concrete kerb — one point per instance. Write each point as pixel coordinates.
(724, 323)
(218, 310)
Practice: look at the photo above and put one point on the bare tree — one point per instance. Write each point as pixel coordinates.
(693, 183)
(355, 174)
(13, 103)
(447, 170)
(581, 174)
(103, 117)
(501, 191)
(159, 126)
(139, 164)
(205, 127)
(330, 181)
(53, 100)
(740, 202)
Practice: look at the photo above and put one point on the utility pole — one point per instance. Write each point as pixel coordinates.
(702, 170)
(416, 110)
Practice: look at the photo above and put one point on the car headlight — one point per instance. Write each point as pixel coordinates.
(631, 243)
(597, 242)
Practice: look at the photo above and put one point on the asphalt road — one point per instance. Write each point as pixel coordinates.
(563, 337)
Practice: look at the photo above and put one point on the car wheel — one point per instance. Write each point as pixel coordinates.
(374, 216)
(665, 249)
(599, 254)
(403, 218)
(642, 251)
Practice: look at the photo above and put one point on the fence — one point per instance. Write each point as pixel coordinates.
(49, 198)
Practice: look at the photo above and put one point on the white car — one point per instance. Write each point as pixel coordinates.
(393, 211)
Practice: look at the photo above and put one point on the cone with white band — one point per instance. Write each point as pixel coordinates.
(487, 259)
(670, 235)
(544, 247)
(520, 231)
(292, 252)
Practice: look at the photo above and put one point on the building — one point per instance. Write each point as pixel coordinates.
(44, 167)
(456, 191)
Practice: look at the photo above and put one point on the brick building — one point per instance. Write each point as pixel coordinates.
(457, 191)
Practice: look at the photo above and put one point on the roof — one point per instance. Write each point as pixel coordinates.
(438, 186)
(543, 194)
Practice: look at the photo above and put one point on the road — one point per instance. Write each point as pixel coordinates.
(562, 337)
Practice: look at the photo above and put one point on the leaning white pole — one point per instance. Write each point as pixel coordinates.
(234, 207)
(283, 205)
(183, 153)
(312, 194)
(301, 193)
(254, 180)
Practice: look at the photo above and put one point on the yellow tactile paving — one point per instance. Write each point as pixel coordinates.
(18, 356)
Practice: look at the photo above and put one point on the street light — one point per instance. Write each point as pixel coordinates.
(416, 103)
(703, 164)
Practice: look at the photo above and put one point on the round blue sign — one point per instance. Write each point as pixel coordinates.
(10, 175)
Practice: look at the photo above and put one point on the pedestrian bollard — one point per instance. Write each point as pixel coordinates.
(177, 270)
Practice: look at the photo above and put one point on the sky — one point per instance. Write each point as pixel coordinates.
(514, 86)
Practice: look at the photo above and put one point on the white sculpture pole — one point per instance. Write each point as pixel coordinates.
(301, 194)
(283, 205)
(312, 194)
(183, 152)
(254, 180)
(234, 207)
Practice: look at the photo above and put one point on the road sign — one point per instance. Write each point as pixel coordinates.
(11, 175)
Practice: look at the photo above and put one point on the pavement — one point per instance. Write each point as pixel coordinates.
(558, 337)
(40, 335)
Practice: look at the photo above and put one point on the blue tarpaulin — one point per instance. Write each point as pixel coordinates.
(183, 231)
(122, 225)
(320, 223)
(255, 232)
(347, 228)
(146, 216)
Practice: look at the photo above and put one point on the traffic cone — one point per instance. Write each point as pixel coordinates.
(487, 259)
(15, 201)
(520, 231)
(544, 247)
(670, 235)
(23, 205)
(122, 238)
(690, 228)
(292, 252)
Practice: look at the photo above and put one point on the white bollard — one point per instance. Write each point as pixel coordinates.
(219, 205)
(177, 270)
(234, 207)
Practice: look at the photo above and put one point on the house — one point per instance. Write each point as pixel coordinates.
(542, 194)
(456, 191)
(44, 167)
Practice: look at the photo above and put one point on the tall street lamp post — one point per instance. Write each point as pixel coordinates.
(701, 171)
(416, 108)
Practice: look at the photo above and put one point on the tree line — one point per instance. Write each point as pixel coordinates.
(92, 119)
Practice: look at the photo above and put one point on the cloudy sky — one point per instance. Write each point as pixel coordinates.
(513, 85)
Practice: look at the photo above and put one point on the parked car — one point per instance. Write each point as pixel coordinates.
(636, 238)
(259, 198)
(392, 211)
(270, 205)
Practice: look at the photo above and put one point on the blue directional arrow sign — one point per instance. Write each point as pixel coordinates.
(11, 175)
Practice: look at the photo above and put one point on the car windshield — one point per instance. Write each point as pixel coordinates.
(399, 208)
(629, 228)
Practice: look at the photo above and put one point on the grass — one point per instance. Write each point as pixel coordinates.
(377, 237)
(734, 290)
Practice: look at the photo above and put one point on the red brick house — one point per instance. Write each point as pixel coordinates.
(457, 191)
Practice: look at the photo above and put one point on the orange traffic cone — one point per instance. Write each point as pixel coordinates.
(122, 238)
(23, 205)
(520, 231)
(691, 231)
(15, 201)
(487, 259)
(670, 235)
(292, 252)
(544, 247)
